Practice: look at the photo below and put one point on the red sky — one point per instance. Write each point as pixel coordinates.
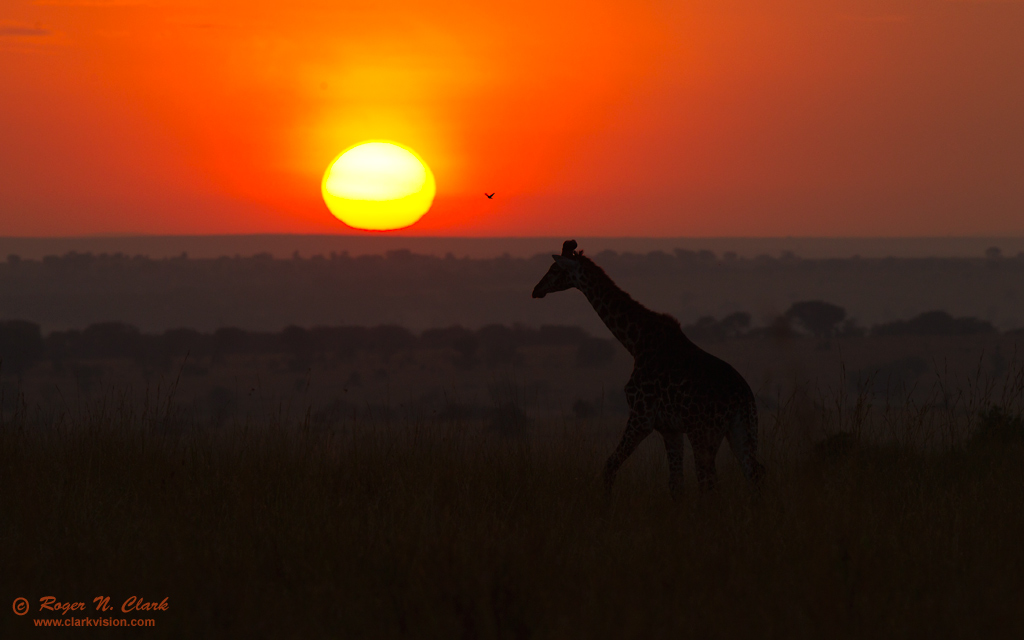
(617, 118)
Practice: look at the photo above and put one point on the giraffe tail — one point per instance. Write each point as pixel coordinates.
(742, 437)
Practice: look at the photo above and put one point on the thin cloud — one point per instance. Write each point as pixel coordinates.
(91, 3)
(21, 31)
(885, 19)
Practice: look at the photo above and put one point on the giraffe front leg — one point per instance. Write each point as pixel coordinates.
(674, 442)
(636, 430)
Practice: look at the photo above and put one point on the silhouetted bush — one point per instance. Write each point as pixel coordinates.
(708, 329)
(181, 342)
(705, 329)
(781, 328)
(297, 340)
(341, 342)
(817, 317)
(21, 344)
(455, 337)
(58, 347)
(998, 426)
(388, 340)
(934, 323)
(687, 256)
(735, 324)
(230, 340)
(109, 340)
(497, 344)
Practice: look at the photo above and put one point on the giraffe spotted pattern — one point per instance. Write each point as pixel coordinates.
(676, 387)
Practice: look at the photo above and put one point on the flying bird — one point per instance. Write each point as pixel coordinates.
(489, 195)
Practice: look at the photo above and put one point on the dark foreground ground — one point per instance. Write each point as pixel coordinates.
(439, 528)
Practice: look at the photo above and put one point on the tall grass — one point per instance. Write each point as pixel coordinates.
(879, 518)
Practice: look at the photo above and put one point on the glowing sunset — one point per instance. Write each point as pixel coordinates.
(805, 118)
(378, 186)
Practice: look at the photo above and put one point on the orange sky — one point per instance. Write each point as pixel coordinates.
(725, 118)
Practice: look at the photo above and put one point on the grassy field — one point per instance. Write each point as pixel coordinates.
(877, 519)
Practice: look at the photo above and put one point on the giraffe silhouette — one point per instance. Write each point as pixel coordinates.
(676, 387)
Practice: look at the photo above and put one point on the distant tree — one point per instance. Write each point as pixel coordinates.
(934, 323)
(735, 324)
(455, 337)
(179, 342)
(705, 329)
(21, 344)
(781, 328)
(110, 340)
(820, 318)
(297, 341)
(993, 253)
(229, 340)
(389, 339)
(341, 342)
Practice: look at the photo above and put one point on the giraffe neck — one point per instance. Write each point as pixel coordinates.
(622, 314)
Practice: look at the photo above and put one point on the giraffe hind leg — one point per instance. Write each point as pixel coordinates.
(674, 448)
(742, 437)
(705, 450)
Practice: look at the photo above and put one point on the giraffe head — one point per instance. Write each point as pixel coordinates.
(563, 274)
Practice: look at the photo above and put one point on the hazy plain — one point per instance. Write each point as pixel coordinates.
(417, 487)
(425, 291)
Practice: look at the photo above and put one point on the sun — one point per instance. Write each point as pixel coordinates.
(378, 186)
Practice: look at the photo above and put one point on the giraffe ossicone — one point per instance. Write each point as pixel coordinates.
(676, 388)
